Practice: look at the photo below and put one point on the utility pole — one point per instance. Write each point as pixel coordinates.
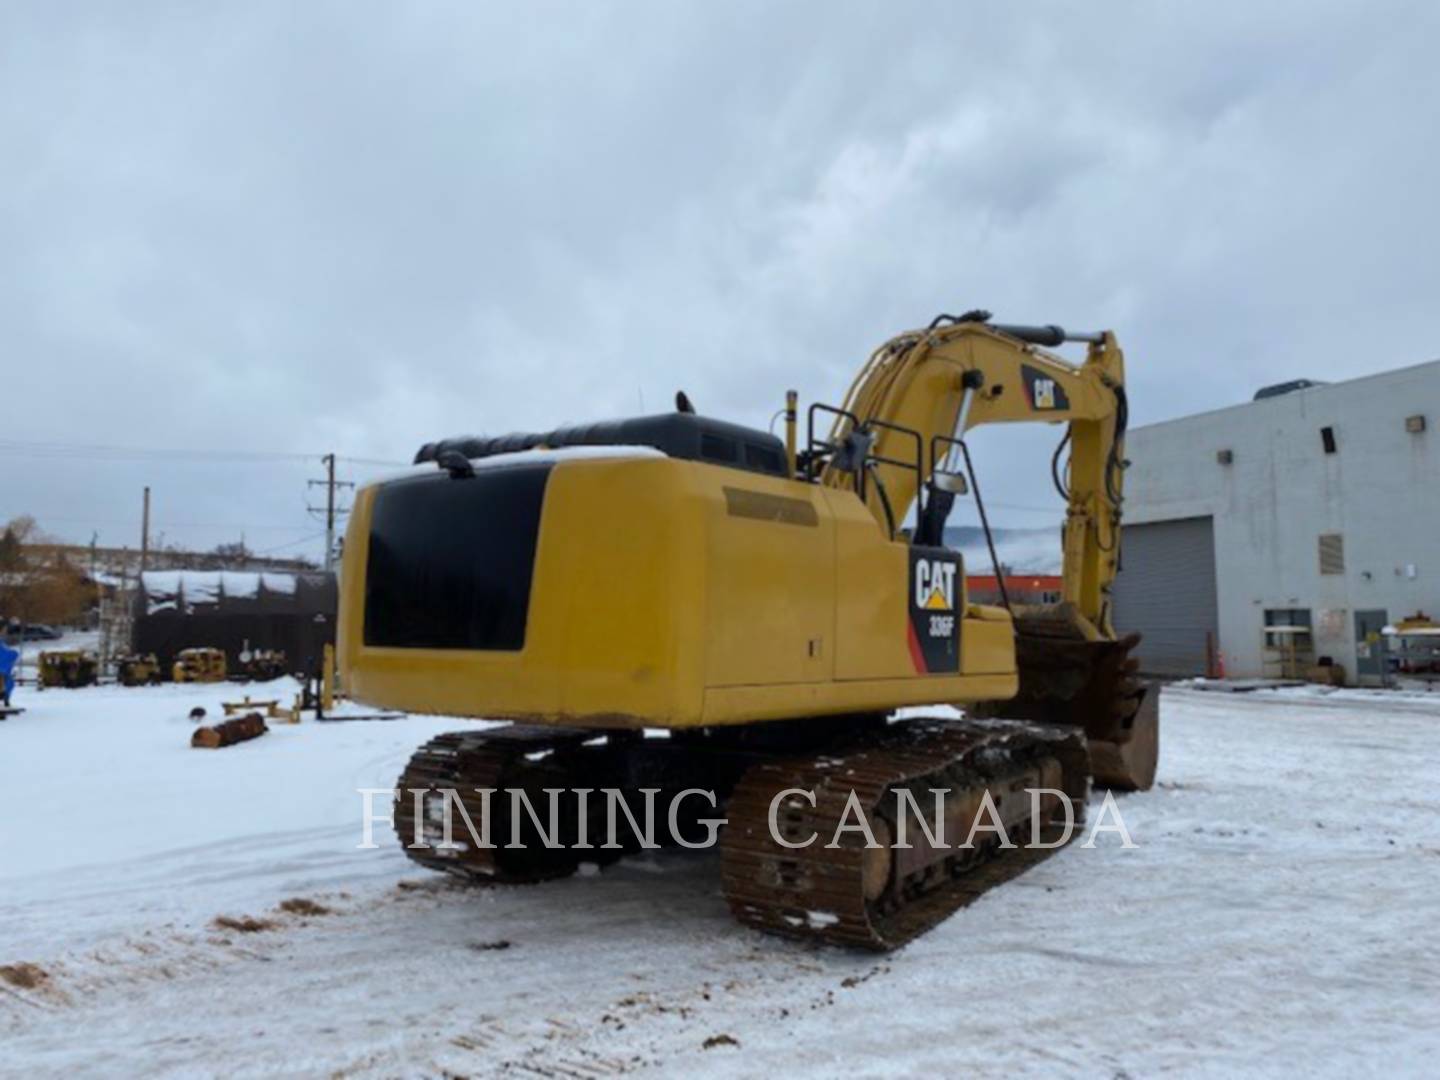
(331, 511)
(145, 532)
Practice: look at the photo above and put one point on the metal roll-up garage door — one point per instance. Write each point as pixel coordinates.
(1166, 591)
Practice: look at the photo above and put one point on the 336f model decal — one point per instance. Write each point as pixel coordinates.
(934, 625)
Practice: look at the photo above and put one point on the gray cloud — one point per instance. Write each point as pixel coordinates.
(358, 227)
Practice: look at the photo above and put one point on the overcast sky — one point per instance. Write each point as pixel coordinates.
(294, 228)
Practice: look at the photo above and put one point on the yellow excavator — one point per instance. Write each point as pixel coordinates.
(674, 603)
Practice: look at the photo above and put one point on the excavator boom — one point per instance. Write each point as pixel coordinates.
(959, 374)
(944, 381)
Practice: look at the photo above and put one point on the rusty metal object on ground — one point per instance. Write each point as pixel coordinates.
(229, 732)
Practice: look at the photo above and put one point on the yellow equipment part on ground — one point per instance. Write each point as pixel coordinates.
(200, 665)
(68, 668)
(137, 670)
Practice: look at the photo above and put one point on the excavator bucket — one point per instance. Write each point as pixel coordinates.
(1129, 763)
(1067, 677)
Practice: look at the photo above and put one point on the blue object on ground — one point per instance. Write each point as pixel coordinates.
(8, 659)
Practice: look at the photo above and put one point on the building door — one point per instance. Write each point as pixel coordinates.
(1370, 650)
(1166, 591)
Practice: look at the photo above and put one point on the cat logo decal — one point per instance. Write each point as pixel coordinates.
(1042, 391)
(933, 629)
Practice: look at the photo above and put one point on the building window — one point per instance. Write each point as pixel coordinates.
(1332, 553)
(1285, 624)
(1327, 439)
(1289, 646)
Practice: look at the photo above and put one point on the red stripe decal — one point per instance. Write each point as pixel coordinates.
(916, 656)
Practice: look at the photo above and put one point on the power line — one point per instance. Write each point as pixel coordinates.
(291, 544)
(107, 452)
(94, 452)
(109, 523)
(375, 461)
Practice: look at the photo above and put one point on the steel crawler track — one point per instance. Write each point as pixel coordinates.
(468, 762)
(830, 894)
(844, 895)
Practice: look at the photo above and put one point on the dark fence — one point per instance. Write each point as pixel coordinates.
(294, 613)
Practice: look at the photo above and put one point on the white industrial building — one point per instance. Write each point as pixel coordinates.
(1266, 538)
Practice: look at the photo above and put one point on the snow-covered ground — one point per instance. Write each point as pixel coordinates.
(1279, 916)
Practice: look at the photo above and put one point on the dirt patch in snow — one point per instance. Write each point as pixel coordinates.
(299, 905)
(24, 976)
(246, 924)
